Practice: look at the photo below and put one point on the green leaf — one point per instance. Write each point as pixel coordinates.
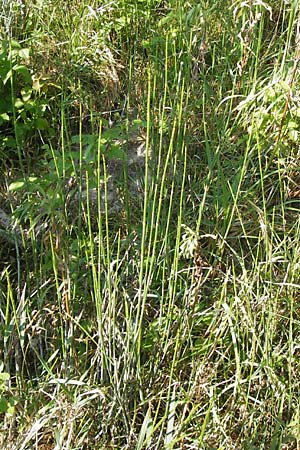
(10, 410)
(139, 123)
(32, 179)
(15, 44)
(23, 70)
(26, 94)
(9, 142)
(293, 135)
(146, 431)
(112, 133)
(41, 124)
(4, 376)
(3, 405)
(16, 186)
(116, 151)
(18, 103)
(4, 67)
(4, 116)
(7, 76)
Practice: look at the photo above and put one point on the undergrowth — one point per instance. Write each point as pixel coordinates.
(149, 225)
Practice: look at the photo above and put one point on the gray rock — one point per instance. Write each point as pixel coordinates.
(119, 177)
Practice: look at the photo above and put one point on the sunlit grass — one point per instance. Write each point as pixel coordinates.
(166, 318)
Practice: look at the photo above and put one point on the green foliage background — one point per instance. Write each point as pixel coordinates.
(172, 320)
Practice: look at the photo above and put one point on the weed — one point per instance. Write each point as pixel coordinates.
(149, 288)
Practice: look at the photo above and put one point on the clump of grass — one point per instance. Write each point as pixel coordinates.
(171, 322)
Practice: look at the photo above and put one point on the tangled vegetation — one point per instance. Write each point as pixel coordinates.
(149, 224)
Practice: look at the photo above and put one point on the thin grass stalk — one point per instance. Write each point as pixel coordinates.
(143, 289)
